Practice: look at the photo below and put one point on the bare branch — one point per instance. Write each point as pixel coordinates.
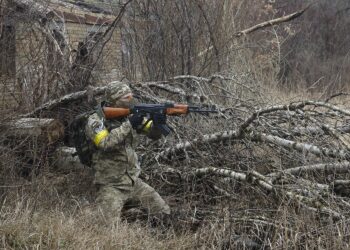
(302, 147)
(260, 26)
(327, 105)
(307, 202)
(231, 134)
(66, 99)
(327, 168)
(272, 22)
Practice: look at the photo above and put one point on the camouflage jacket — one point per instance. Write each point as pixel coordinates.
(115, 161)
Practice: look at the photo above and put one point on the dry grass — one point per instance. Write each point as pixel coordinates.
(53, 212)
(38, 216)
(26, 228)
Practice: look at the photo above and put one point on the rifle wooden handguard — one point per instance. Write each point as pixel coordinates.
(178, 109)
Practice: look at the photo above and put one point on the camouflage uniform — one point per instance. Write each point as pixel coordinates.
(116, 165)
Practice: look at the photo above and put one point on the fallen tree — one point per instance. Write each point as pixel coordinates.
(46, 130)
(293, 154)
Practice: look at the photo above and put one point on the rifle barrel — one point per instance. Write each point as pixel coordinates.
(199, 110)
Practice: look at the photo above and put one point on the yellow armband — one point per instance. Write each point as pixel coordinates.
(100, 136)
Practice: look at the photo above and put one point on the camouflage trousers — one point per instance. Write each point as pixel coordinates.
(111, 198)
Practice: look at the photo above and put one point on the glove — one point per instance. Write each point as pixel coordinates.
(136, 121)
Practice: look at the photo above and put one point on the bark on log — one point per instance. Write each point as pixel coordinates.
(47, 130)
(313, 130)
(301, 147)
(327, 168)
(231, 134)
(329, 106)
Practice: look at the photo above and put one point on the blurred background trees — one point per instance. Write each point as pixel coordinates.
(167, 38)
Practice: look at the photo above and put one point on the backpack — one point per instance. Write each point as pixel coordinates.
(83, 145)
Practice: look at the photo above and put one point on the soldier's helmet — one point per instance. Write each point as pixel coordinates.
(116, 90)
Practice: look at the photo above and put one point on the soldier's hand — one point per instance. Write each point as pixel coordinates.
(136, 121)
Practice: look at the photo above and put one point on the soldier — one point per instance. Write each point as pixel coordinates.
(115, 161)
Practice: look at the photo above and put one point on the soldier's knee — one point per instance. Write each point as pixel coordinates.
(110, 201)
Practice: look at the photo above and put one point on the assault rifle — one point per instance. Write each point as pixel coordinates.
(155, 112)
